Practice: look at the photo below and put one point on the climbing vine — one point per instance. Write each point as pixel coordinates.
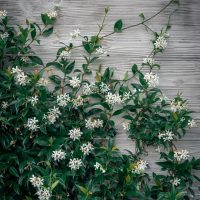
(57, 130)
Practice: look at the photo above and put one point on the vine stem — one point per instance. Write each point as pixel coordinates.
(125, 28)
(144, 21)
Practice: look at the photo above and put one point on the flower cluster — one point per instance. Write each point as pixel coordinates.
(75, 134)
(52, 14)
(32, 124)
(52, 115)
(178, 105)
(151, 79)
(87, 148)
(65, 54)
(93, 123)
(36, 181)
(161, 42)
(149, 60)
(126, 126)
(113, 99)
(127, 96)
(75, 33)
(77, 101)
(181, 155)
(98, 166)
(89, 88)
(104, 88)
(192, 123)
(75, 163)
(63, 99)
(43, 194)
(140, 166)
(58, 155)
(101, 51)
(3, 14)
(166, 136)
(75, 82)
(20, 77)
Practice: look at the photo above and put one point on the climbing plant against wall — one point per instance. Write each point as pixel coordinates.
(57, 142)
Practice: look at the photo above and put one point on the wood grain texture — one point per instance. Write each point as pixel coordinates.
(180, 63)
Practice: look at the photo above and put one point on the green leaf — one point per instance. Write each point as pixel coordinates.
(33, 31)
(48, 32)
(143, 81)
(54, 185)
(13, 171)
(56, 79)
(70, 67)
(134, 69)
(117, 112)
(118, 26)
(36, 60)
(142, 16)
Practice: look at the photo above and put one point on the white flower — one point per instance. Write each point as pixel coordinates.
(75, 163)
(181, 155)
(24, 59)
(98, 166)
(158, 149)
(192, 123)
(126, 96)
(43, 82)
(104, 88)
(178, 105)
(126, 126)
(151, 79)
(176, 182)
(3, 14)
(75, 82)
(20, 77)
(89, 88)
(33, 100)
(77, 102)
(55, 111)
(65, 54)
(100, 51)
(16, 70)
(93, 123)
(43, 194)
(140, 166)
(166, 136)
(160, 42)
(87, 148)
(75, 134)
(4, 104)
(52, 115)
(75, 33)
(52, 14)
(149, 60)
(36, 181)
(163, 97)
(4, 35)
(113, 99)
(32, 124)
(58, 155)
(63, 99)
